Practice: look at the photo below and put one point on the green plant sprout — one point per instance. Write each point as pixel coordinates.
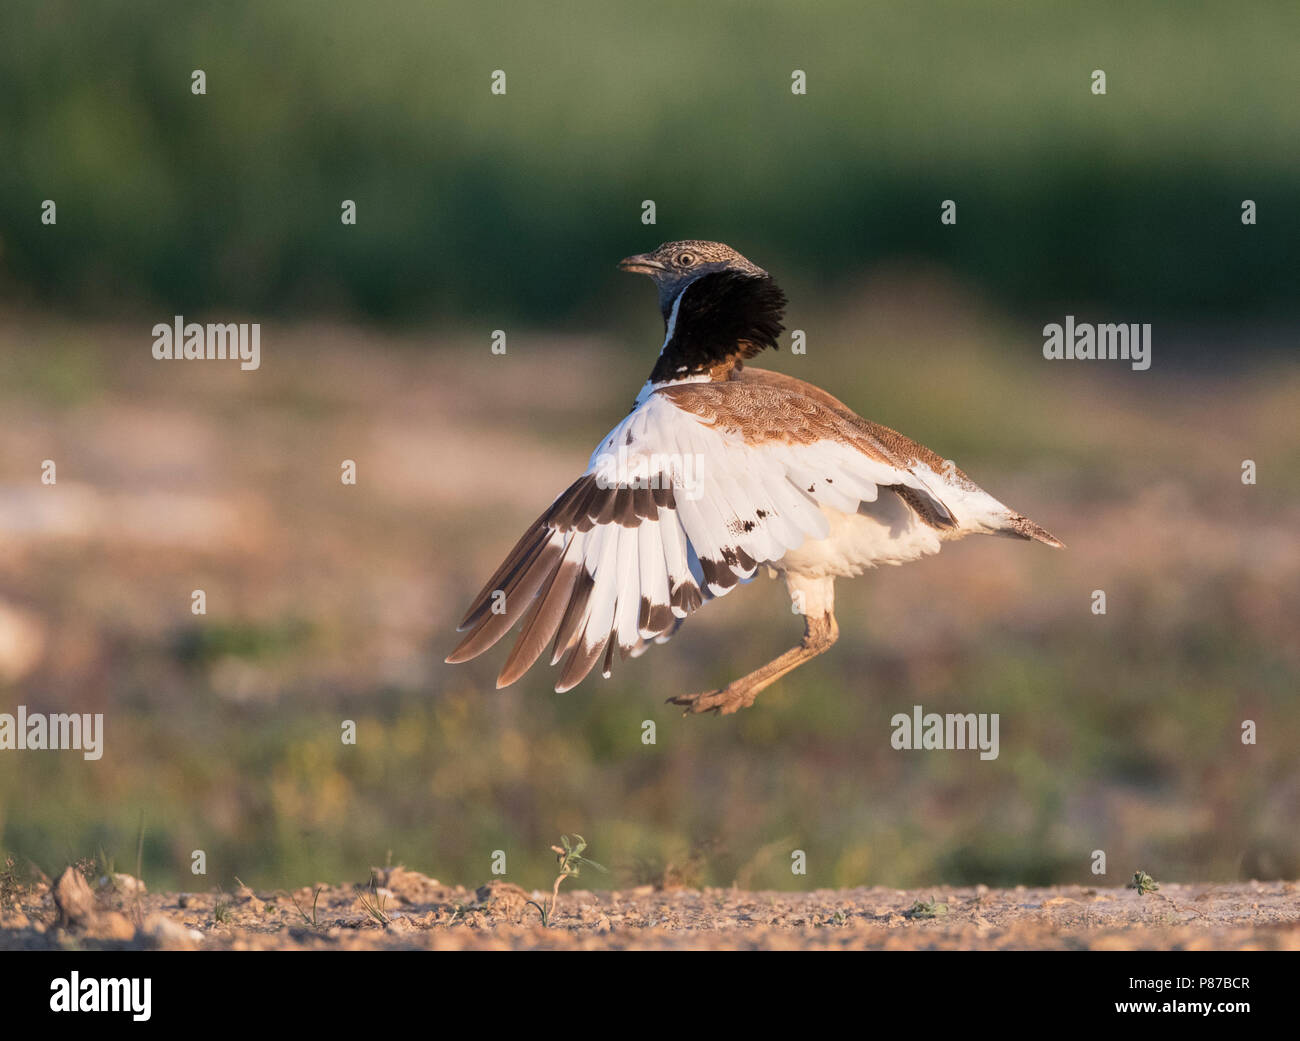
(569, 856)
(1143, 883)
(927, 909)
(312, 920)
(374, 904)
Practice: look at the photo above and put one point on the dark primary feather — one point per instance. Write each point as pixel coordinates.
(550, 593)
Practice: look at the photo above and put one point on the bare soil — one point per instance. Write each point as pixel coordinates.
(405, 909)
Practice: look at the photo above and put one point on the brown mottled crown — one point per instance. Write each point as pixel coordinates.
(718, 307)
(675, 265)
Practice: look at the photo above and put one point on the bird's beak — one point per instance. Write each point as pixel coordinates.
(640, 264)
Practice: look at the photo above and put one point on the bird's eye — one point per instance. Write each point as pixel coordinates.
(685, 259)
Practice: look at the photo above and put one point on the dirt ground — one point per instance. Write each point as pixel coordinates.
(404, 909)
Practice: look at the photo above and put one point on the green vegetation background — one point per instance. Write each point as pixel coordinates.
(469, 201)
(479, 212)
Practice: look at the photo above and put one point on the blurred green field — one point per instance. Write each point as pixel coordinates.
(329, 603)
(472, 204)
(476, 212)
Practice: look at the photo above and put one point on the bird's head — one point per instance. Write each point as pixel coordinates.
(675, 265)
(717, 306)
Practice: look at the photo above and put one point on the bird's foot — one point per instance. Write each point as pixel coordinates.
(724, 702)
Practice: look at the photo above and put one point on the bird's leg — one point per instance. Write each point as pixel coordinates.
(819, 632)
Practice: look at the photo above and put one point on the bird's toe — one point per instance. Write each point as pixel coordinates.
(697, 703)
(724, 701)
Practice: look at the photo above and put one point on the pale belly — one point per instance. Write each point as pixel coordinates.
(881, 532)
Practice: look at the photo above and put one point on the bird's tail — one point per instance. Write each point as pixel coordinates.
(1023, 527)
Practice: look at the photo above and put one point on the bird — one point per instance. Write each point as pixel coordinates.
(719, 470)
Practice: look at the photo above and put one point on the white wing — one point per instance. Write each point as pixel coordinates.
(672, 510)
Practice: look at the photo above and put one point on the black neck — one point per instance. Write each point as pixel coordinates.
(721, 316)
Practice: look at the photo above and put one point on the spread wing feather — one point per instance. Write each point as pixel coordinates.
(673, 510)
